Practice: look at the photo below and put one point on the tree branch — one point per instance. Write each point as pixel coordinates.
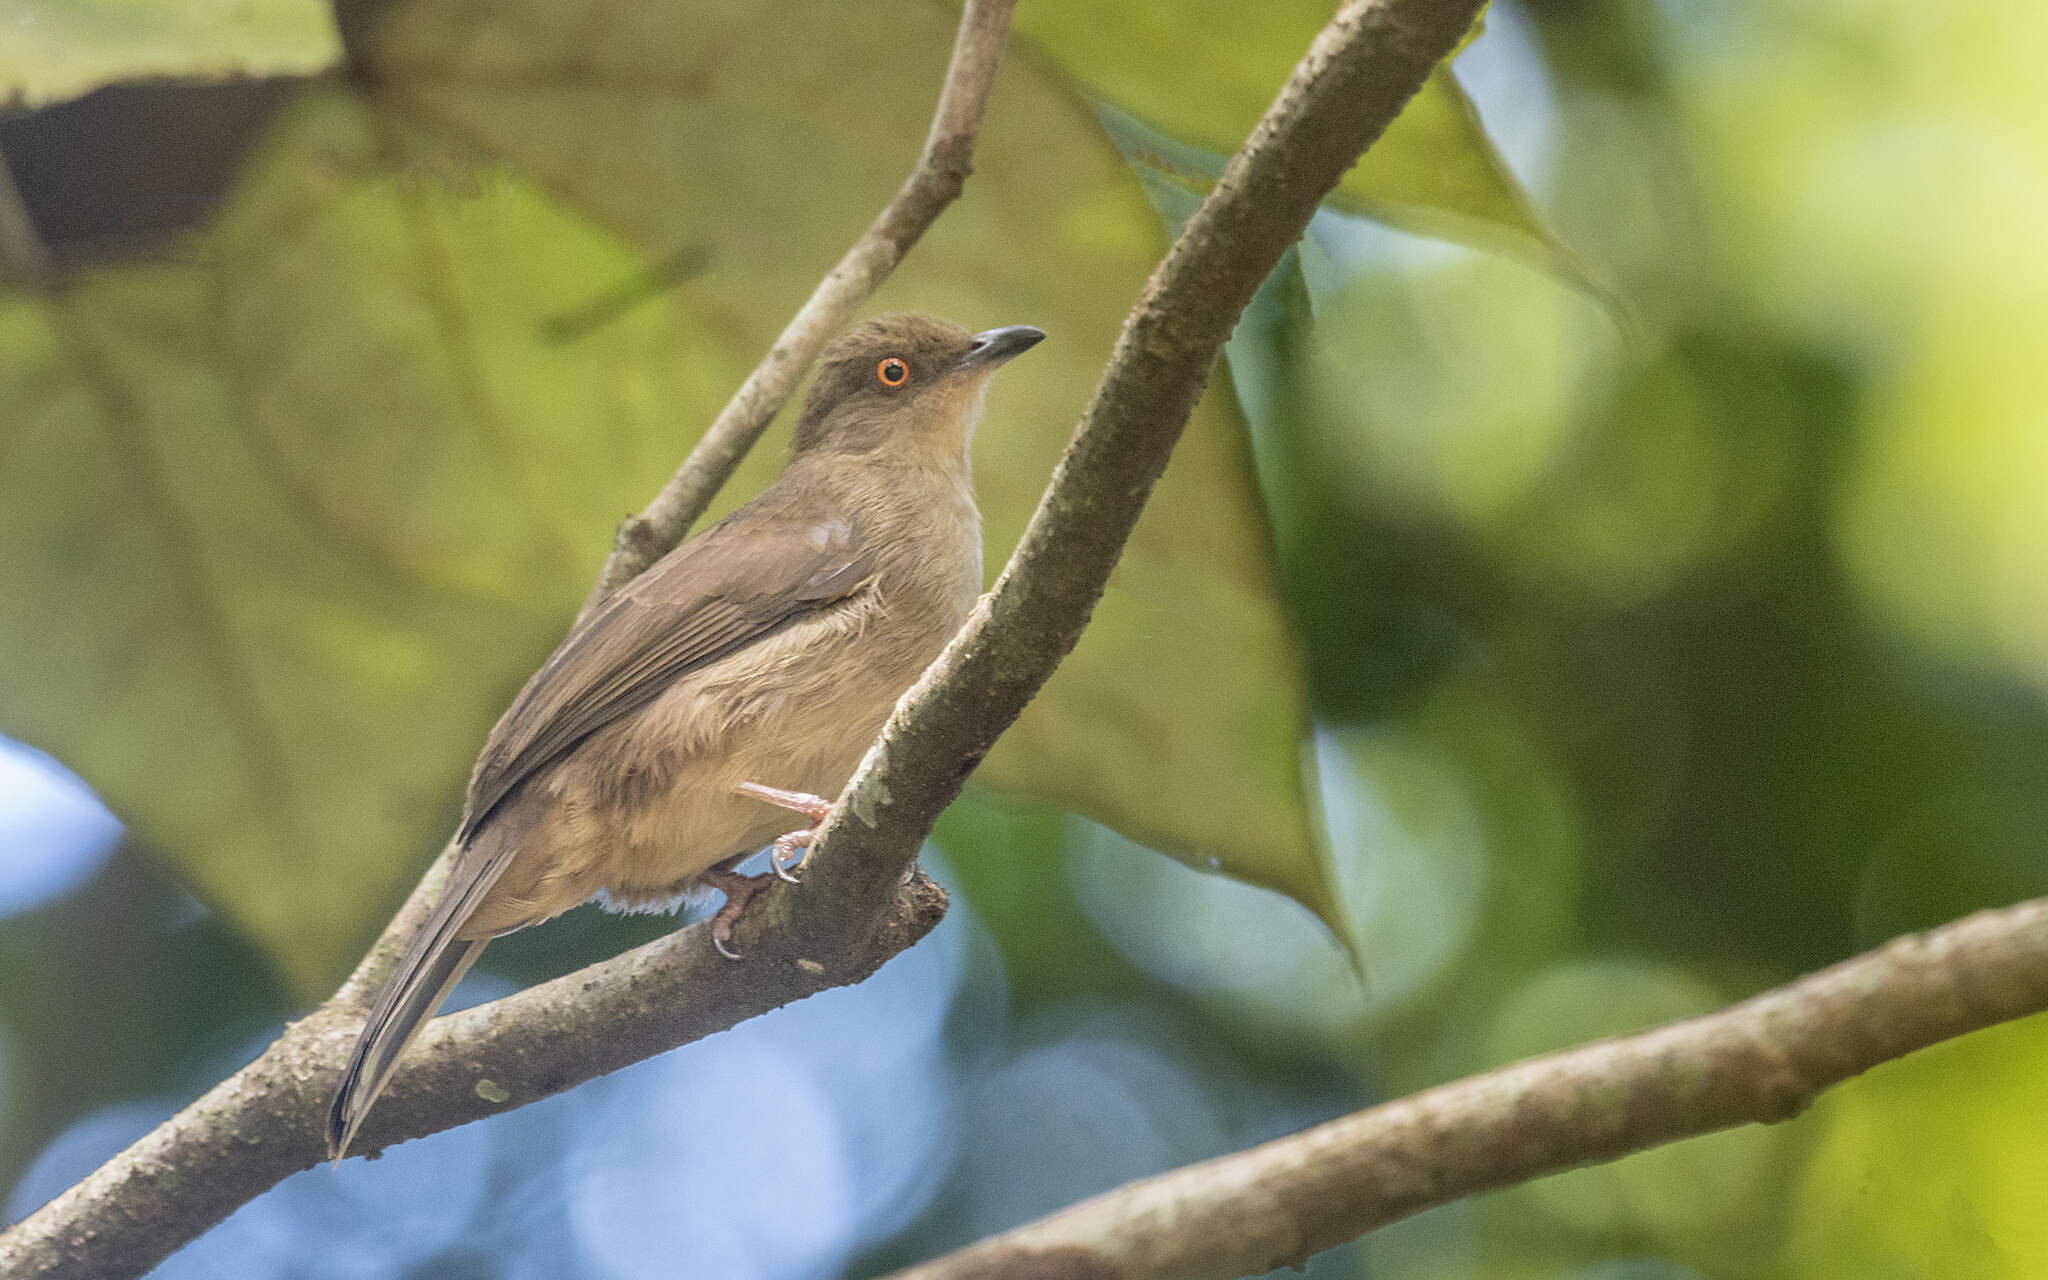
(266, 1122)
(1756, 1062)
(853, 908)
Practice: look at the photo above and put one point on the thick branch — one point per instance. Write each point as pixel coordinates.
(940, 174)
(1756, 1062)
(261, 1125)
(266, 1122)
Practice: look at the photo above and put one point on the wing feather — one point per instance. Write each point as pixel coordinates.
(735, 583)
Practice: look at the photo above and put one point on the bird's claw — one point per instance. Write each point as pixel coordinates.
(739, 890)
(784, 856)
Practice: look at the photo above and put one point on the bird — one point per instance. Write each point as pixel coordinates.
(744, 673)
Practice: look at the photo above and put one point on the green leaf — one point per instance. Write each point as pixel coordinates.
(57, 48)
(284, 528)
(1926, 1167)
(1203, 71)
(299, 511)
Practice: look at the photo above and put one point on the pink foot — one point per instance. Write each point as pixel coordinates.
(784, 855)
(739, 890)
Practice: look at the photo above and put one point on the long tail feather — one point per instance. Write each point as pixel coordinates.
(434, 961)
(429, 970)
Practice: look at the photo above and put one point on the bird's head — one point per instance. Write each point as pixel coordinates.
(904, 381)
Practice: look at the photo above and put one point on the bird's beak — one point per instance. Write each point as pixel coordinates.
(997, 345)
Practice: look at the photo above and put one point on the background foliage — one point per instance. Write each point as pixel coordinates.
(1656, 652)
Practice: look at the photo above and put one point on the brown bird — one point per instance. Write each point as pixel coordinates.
(769, 648)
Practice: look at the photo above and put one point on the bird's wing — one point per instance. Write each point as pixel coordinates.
(733, 584)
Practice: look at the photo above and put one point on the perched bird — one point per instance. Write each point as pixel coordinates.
(769, 649)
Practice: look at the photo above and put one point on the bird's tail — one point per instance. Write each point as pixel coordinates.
(428, 971)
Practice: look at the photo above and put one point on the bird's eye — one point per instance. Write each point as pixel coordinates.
(892, 372)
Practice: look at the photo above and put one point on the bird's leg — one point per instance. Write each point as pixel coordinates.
(783, 854)
(739, 890)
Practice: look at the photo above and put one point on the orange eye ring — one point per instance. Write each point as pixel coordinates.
(892, 372)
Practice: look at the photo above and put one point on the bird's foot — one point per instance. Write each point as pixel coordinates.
(739, 890)
(784, 855)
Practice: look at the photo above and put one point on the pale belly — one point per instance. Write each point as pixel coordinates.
(644, 806)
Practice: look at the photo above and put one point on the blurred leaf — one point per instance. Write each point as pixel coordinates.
(1458, 398)
(281, 537)
(1138, 729)
(1931, 1166)
(163, 154)
(300, 511)
(1203, 73)
(58, 48)
(1008, 862)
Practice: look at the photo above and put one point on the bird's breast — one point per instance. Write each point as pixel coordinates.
(645, 805)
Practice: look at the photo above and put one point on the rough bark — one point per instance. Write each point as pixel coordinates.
(1759, 1061)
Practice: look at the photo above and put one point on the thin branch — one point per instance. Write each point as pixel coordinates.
(1756, 1062)
(936, 182)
